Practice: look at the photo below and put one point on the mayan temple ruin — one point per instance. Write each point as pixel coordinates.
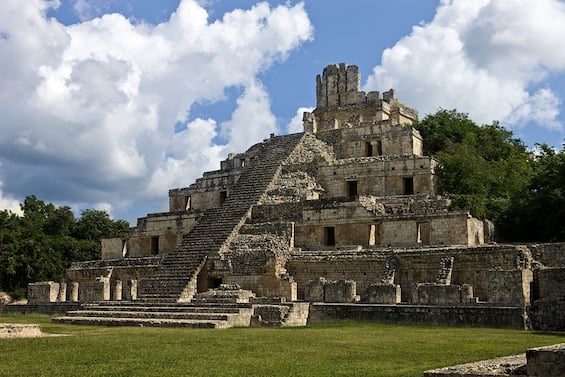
(341, 221)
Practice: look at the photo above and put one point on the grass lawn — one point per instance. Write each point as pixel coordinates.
(336, 349)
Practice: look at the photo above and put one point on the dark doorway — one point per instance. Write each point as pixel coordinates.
(379, 148)
(217, 282)
(329, 236)
(408, 186)
(352, 189)
(223, 196)
(368, 149)
(154, 245)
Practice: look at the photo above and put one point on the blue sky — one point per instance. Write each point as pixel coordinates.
(109, 103)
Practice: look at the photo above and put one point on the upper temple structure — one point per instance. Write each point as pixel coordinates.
(346, 211)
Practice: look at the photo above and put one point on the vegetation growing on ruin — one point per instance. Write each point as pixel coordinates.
(486, 170)
(336, 349)
(42, 243)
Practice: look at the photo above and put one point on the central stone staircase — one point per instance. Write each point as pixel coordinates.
(175, 280)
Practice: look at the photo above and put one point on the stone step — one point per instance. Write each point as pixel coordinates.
(140, 322)
(177, 270)
(163, 309)
(172, 305)
(151, 314)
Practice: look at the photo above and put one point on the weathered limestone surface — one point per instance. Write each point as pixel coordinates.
(536, 362)
(438, 294)
(383, 294)
(547, 311)
(340, 291)
(92, 291)
(43, 292)
(546, 361)
(9, 330)
(499, 367)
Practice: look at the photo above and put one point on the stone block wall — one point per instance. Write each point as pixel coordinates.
(379, 176)
(112, 248)
(441, 294)
(383, 294)
(43, 292)
(456, 315)
(549, 254)
(205, 193)
(510, 287)
(322, 290)
(547, 312)
(546, 361)
(340, 291)
(314, 290)
(470, 267)
(551, 284)
(277, 212)
(266, 285)
(364, 270)
(392, 140)
(98, 290)
(394, 231)
(168, 228)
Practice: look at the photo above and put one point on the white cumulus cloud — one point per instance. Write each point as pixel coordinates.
(10, 203)
(296, 124)
(482, 57)
(89, 110)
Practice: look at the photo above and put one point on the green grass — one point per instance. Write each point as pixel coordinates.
(335, 349)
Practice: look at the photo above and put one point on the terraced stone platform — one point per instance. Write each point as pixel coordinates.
(213, 315)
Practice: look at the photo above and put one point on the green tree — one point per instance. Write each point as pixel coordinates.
(95, 224)
(481, 168)
(538, 211)
(42, 243)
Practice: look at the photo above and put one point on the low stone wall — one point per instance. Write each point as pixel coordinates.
(536, 362)
(548, 311)
(51, 308)
(479, 315)
(547, 315)
(546, 361)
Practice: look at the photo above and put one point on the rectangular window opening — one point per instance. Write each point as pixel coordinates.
(329, 236)
(187, 203)
(154, 245)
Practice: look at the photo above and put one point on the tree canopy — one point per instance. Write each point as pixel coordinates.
(487, 171)
(42, 243)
